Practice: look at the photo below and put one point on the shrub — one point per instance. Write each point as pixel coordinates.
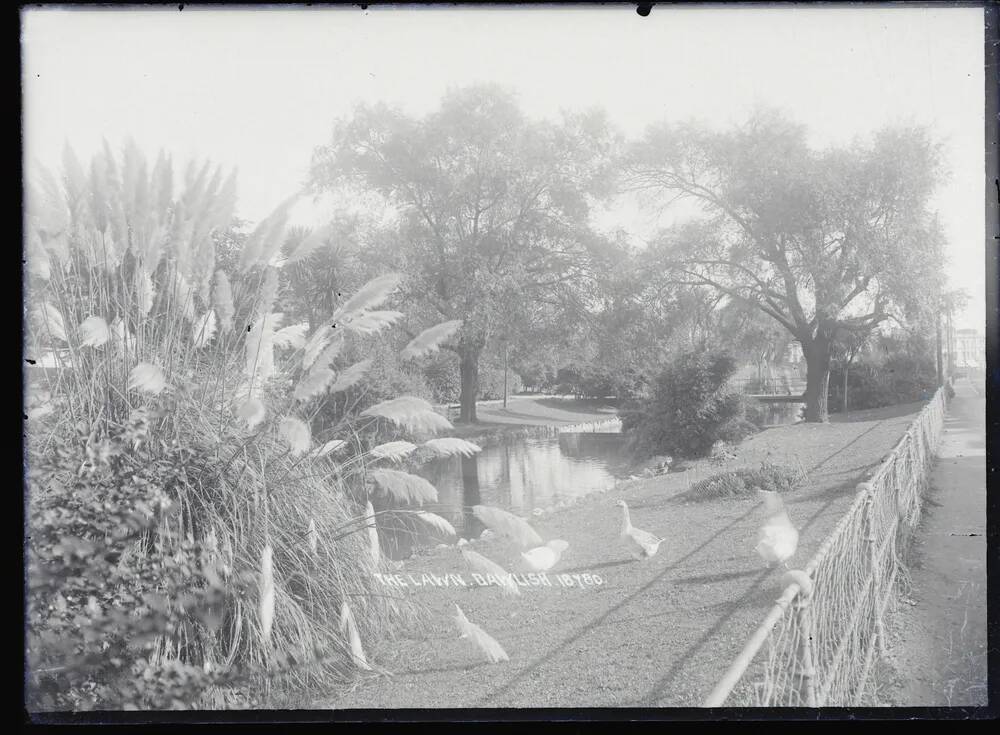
(591, 381)
(536, 377)
(442, 377)
(899, 379)
(744, 481)
(109, 610)
(491, 382)
(690, 409)
(386, 377)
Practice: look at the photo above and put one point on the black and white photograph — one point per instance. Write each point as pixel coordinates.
(502, 357)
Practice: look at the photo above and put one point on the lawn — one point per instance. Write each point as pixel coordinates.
(656, 633)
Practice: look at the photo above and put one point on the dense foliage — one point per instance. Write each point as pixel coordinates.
(594, 381)
(120, 595)
(442, 378)
(690, 408)
(897, 379)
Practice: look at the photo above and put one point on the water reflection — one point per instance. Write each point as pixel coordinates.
(470, 496)
(520, 476)
(781, 413)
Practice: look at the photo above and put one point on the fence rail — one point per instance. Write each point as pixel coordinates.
(818, 643)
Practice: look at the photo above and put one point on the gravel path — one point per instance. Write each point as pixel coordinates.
(659, 632)
(939, 647)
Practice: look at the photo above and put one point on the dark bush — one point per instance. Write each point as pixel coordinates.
(899, 379)
(535, 377)
(590, 381)
(387, 377)
(768, 477)
(120, 599)
(442, 377)
(690, 409)
(491, 382)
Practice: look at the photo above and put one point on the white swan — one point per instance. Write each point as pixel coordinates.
(640, 544)
(543, 558)
(777, 539)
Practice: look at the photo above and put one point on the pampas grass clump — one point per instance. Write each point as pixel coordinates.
(130, 300)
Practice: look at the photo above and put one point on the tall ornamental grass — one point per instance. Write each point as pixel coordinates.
(124, 293)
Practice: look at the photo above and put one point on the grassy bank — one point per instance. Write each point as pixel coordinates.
(654, 633)
(528, 416)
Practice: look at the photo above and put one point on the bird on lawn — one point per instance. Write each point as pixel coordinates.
(640, 544)
(543, 558)
(777, 538)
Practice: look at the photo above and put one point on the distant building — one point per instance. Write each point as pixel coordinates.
(969, 348)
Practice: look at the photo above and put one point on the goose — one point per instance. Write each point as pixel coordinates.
(543, 558)
(777, 538)
(640, 544)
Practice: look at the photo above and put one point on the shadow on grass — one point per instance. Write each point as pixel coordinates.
(442, 669)
(591, 567)
(720, 577)
(600, 619)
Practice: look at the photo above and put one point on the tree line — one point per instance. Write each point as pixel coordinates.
(774, 240)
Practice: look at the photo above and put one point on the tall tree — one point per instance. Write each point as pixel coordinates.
(493, 208)
(819, 240)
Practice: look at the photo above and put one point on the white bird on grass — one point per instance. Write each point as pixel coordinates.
(543, 558)
(640, 544)
(491, 570)
(777, 539)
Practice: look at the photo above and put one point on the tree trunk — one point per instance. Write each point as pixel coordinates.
(817, 354)
(469, 371)
(470, 496)
(940, 358)
(847, 369)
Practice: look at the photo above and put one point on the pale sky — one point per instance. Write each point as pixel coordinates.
(259, 88)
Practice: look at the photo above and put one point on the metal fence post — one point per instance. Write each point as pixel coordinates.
(871, 537)
(807, 664)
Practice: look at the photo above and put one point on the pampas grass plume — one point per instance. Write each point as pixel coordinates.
(147, 378)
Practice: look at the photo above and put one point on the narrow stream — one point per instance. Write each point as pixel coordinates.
(523, 476)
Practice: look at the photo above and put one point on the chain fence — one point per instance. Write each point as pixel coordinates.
(819, 642)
